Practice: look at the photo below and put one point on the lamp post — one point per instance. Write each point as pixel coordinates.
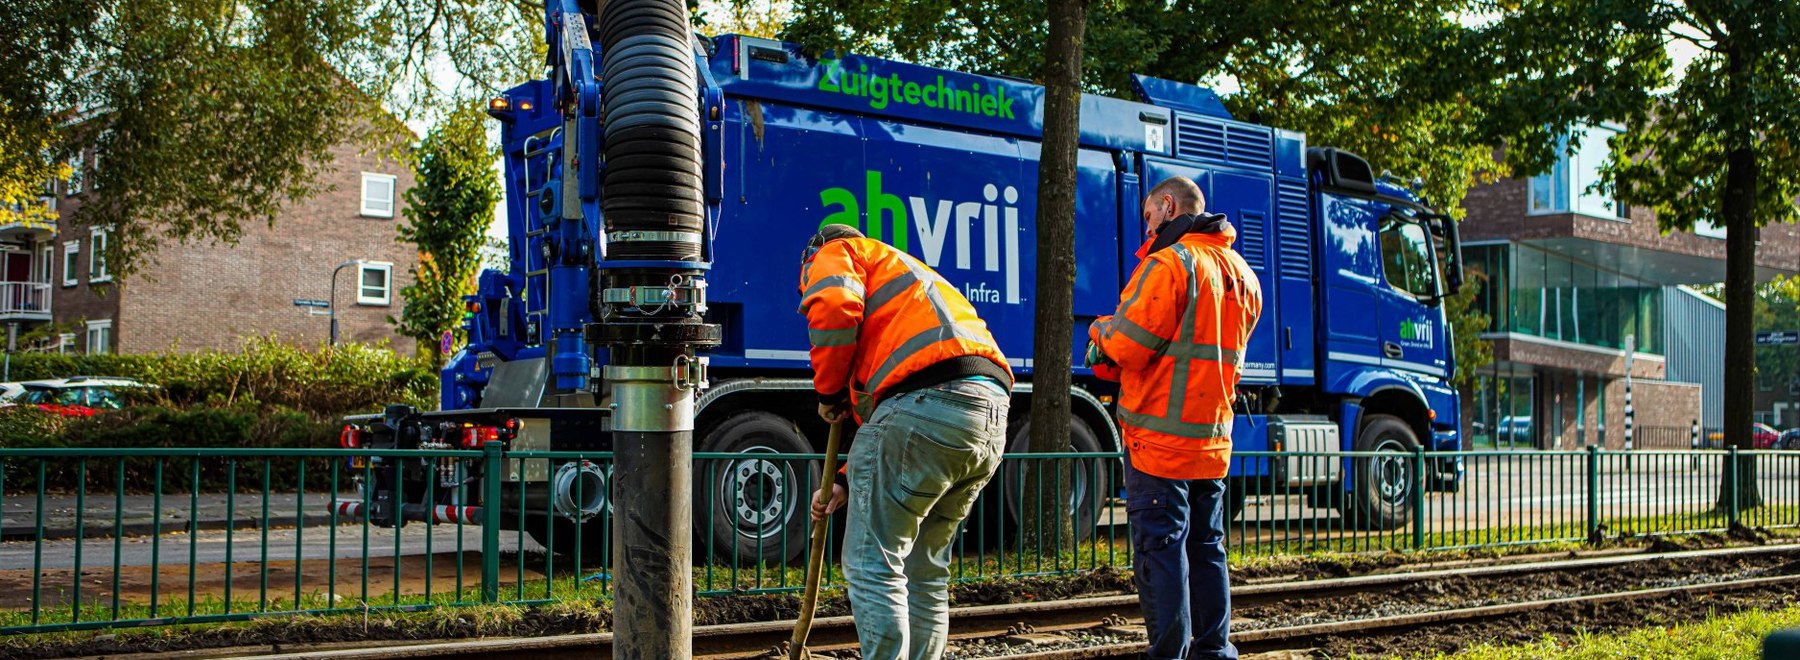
(333, 304)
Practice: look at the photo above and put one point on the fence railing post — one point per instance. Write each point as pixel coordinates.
(1736, 486)
(1418, 498)
(1593, 495)
(492, 469)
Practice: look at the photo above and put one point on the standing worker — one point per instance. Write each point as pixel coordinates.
(1176, 346)
(904, 348)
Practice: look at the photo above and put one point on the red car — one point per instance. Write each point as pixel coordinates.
(1765, 435)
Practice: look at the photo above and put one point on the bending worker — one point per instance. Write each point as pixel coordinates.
(1175, 346)
(894, 341)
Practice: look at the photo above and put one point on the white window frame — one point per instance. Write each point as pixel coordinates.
(77, 171)
(104, 327)
(368, 211)
(71, 274)
(64, 342)
(387, 291)
(97, 268)
(46, 267)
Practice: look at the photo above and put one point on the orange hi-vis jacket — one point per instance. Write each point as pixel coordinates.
(1178, 340)
(876, 315)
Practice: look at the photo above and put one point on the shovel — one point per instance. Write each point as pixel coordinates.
(815, 561)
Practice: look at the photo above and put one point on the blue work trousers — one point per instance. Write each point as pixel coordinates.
(1184, 588)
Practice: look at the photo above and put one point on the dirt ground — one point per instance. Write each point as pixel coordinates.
(246, 581)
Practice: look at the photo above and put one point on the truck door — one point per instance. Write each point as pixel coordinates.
(1352, 280)
(1411, 331)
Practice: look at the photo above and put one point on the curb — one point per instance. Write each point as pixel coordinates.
(105, 531)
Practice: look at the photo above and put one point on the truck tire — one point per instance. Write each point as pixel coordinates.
(1381, 488)
(749, 511)
(1086, 494)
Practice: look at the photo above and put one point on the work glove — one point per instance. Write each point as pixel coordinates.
(1095, 356)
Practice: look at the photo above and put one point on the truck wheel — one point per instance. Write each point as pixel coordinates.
(1084, 492)
(753, 510)
(1381, 495)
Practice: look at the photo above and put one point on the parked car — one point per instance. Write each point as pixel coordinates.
(10, 391)
(1790, 439)
(1765, 435)
(80, 396)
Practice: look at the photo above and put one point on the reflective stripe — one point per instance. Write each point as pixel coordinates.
(918, 343)
(1206, 352)
(929, 281)
(846, 281)
(829, 338)
(887, 292)
(1137, 333)
(1177, 427)
(1178, 382)
(1148, 266)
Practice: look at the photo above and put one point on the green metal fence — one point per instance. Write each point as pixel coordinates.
(103, 537)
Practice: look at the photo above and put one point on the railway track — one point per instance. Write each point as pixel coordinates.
(1040, 624)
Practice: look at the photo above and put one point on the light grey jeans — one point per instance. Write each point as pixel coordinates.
(915, 469)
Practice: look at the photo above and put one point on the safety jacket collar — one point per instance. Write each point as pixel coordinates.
(1213, 225)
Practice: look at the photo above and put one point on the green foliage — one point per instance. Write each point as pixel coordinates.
(1741, 90)
(209, 116)
(447, 213)
(1467, 322)
(243, 425)
(1417, 88)
(1738, 635)
(1778, 309)
(325, 382)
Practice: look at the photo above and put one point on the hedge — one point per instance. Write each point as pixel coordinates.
(241, 425)
(324, 381)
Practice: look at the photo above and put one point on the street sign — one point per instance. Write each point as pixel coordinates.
(309, 302)
(1777, 338)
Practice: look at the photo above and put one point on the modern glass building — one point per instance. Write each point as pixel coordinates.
(1574, 282)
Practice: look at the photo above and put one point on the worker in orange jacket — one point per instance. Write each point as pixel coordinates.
(1176, 346)
(900, 348)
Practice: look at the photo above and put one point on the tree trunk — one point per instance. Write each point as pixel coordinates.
(1053, 337)
(1739, 211)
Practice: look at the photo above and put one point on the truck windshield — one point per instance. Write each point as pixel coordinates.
(1408, 258)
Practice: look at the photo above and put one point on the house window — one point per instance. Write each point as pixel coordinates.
(65, 342)
(1567, 187)
(71, 274)
(99, 336)
(44, 266)
(77, 167)
(377, 195)
(97, 271)
(373, 282)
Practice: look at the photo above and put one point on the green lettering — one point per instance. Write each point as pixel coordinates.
(828, 82)
(849, 213)
(930, 96)
(878, 92)
(879, 202)
(911, 93)
(1006, 106)
(987, 104)
(962, 101)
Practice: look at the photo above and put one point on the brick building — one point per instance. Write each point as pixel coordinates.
(275, 280)
(1571, 279)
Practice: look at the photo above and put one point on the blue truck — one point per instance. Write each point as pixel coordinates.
(1352, 352)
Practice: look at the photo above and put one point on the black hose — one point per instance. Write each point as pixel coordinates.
(652, 135)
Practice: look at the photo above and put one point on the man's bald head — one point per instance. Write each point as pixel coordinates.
(1183, 192)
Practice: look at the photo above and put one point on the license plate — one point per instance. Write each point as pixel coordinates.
(359, 462)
